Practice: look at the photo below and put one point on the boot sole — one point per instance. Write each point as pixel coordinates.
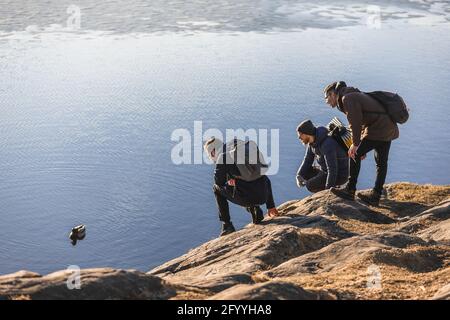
(342, 195)
(366, 201)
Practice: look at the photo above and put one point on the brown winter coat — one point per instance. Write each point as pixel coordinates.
(365, 125)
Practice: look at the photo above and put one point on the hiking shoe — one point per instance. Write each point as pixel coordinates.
(344, 193)
(257, 214)
(227, 228)
(370, 197)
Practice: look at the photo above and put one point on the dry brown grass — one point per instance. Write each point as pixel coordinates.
(425, 194)
(396, 283)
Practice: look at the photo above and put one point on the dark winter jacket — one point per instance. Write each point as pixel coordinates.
(331, 157)
(258, 191)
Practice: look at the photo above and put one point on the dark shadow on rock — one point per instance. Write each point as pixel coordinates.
(274, 290)
(403, 208)
(219, 283)
(418, 261)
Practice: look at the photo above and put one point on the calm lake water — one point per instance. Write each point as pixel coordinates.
(87, 116)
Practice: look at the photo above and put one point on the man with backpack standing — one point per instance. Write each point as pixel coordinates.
(240, 180)
(331, 157)
(373, 120)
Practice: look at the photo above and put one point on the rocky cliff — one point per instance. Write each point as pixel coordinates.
(321, 247)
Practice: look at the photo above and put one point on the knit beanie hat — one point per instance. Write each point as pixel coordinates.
(307, 127)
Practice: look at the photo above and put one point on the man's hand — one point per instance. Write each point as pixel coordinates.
(231, 182)
(300, 181)
(273, 213)
(352, 151)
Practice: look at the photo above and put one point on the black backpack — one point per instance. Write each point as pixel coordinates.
(393, 104)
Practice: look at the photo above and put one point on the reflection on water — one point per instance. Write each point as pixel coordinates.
(86, 122)
(123, 16)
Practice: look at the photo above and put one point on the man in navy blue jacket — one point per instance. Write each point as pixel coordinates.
(331, 158)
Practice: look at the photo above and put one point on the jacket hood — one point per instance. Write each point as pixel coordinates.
(342, 93)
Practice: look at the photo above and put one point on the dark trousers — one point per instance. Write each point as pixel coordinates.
(228, 193)
(316, 180)
(381, 155)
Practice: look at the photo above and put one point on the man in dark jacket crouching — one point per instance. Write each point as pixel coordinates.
(331, 158)
(229, 185)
